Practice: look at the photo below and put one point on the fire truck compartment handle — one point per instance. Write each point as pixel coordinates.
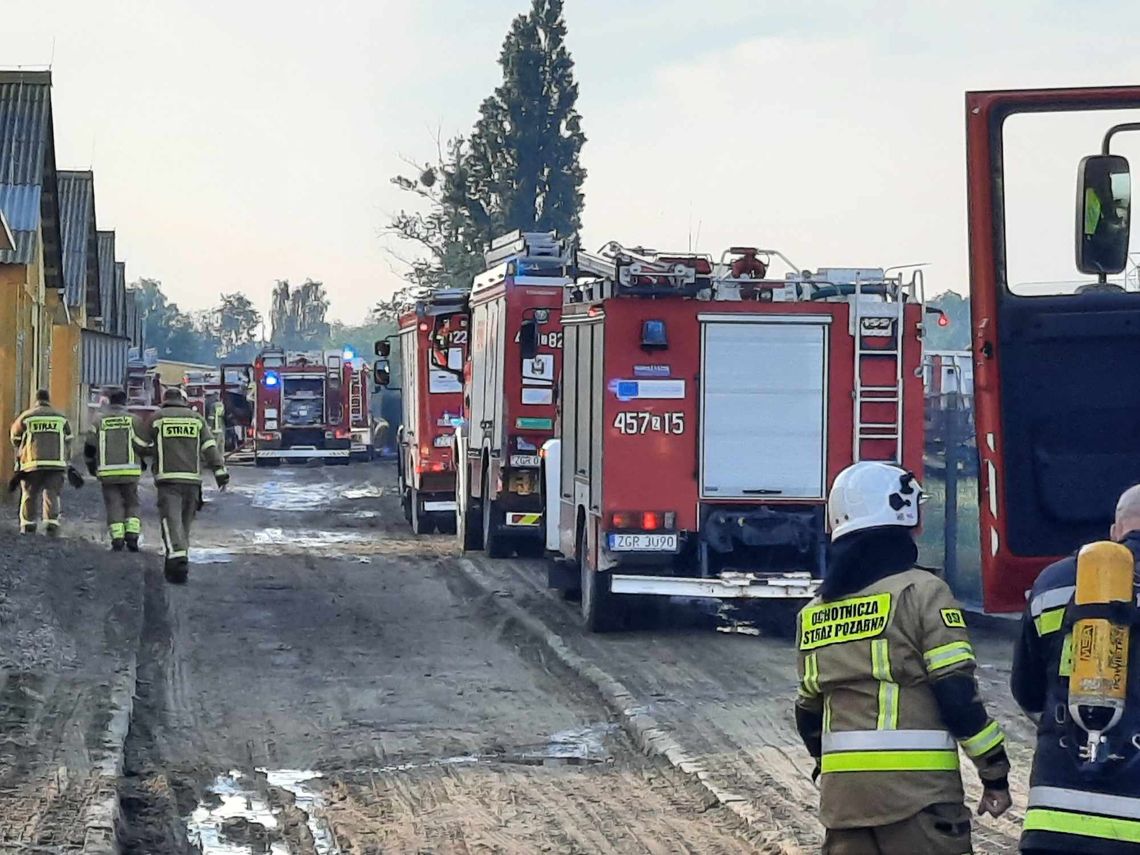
(762, 492)
(486, 424)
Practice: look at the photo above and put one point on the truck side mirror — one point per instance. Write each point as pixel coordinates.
(528, 339)
(1104, 203)
(381, 374)
(383, 348)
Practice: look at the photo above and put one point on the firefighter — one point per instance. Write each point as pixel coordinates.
(887, 690)
(1079, 804)
(113, 451)
(181, 441)
(42, 439)
(215, 412)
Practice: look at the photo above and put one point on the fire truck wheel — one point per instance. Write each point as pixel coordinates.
(495, 543)
(468, 523)
(599, 610)
(416, 516)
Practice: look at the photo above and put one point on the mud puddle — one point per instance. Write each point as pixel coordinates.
(287, 492)
(271, 813)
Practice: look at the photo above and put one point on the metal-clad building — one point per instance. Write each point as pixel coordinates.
(104, 358)
(80, 244)
(28, 191)
(119, 304)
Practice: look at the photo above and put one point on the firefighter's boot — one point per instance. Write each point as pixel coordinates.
(132, 541)
(118, 544)
(28, 528)
(51, 528)
(176, 570)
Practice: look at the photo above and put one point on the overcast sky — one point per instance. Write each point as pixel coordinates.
(234, 143)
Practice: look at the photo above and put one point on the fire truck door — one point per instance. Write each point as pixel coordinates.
(763, 409)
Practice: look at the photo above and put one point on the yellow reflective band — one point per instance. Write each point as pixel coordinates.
(888, 718)
(134, 525)
(126, 469)
(844, 620)
(810, 687)
(178, 476)
(1063, 822)
(946, 655)
(1050, 621)
(208, 444)
(890, 761)
(1065, 668)
(117, 531)
(827, 713)
(985, 740)
(953, 618)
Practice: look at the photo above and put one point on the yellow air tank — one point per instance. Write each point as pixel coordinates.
(1099, 679)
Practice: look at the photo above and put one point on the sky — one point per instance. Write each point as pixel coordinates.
(236, 142)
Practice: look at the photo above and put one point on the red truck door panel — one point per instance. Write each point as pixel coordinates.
(1057, 389)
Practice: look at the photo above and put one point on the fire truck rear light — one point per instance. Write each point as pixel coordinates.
(268, 434)
(343, 433)
(431, 466)
(643, 520)
(654, 335)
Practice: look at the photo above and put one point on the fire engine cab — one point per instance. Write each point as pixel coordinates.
(706, 409)
(433, 346)
(510, 392)
(301, 409)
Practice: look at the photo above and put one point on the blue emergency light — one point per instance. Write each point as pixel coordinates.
(271, 378)
(349, 354)
(653, 335)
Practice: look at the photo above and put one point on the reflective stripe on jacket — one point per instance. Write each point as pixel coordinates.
(1074, 806)
(42, 438)
(182, 441)
(868, 663)
(115, 442)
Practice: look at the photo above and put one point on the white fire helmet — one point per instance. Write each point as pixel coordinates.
(872, 495)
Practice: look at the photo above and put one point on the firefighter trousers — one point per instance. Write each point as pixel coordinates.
(941, 829)
(177, 507)
(41, 487)
(121, 499)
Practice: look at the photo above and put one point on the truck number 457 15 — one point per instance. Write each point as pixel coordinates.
(635, 424)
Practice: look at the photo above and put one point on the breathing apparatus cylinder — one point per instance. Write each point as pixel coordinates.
(1102, 616)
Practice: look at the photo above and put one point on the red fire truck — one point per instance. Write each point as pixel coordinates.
(1056, 390)
(510, 391)
(705, 411)
(301, 410)
(433, 349)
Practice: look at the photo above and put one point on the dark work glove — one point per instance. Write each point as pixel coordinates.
(221, 478)
(142, 463)
(14, 481)
(200, 503)
(815, 772)
(74, 478)
(92, 469)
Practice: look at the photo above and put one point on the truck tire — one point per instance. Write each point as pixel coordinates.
(495, 543)
(416, 516)
(468, 526)
(599, 611)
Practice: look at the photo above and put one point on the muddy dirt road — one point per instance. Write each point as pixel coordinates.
(329, 683)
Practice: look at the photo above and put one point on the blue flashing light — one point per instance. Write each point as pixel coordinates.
(271, 379)
(653, 334)
(349, 354)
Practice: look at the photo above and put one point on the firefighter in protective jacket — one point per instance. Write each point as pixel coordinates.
(42, 439)
(887, 691)
(113, 451)
(1077, 804)
(181, 442)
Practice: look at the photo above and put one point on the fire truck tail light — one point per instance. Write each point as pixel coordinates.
(268, 435)
(431, 466)
(343, 433)
(643, 520)
(654, 335)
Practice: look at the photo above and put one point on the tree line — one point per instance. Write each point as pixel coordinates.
(234, 331)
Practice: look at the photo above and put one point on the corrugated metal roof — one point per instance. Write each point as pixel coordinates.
(77, 230)
(106, 251)
(120, 325)
(104, 358)
(27, 168)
